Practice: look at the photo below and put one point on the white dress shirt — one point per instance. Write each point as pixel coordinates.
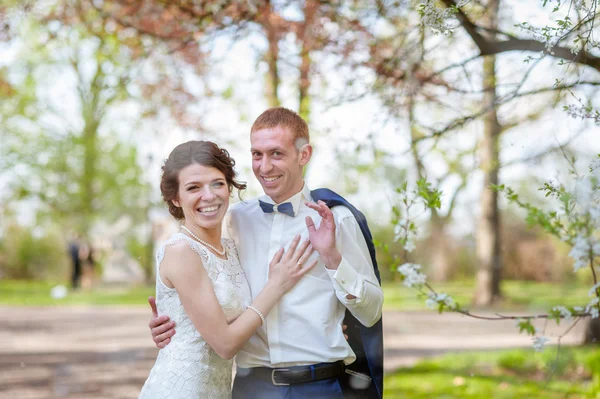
(305, 327)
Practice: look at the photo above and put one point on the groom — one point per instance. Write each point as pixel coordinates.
(301, 350)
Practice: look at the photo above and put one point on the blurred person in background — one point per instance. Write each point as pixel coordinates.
(74, 246)
(86, 260)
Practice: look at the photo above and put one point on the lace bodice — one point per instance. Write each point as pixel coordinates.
(188, 368)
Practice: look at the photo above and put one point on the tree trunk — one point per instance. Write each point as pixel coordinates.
(307, 42)
(272, 56)
(489, 260)
(440, 257)
(90, 154)
(592, 331)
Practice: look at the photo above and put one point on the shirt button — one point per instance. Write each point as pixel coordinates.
(343, 281)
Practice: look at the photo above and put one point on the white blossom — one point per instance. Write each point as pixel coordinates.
(398, 230)
(564, 312)
(447, 299)
(433, 300)
(539, 342)
(592, 291)
(412, 274)
(591, 193)
(582, 112)
(595, 168)
(401, 230)
(439, 19)
(585, 194)
(410, 245)
(592, 307)
(580, 5)
(431, 303)
(547, 35)
(581, 251)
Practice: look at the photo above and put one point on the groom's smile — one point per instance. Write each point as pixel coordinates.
(270, 181)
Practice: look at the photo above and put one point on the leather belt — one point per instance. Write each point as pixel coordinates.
(299, 374)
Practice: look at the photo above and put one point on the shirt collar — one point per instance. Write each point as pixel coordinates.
(296, 200)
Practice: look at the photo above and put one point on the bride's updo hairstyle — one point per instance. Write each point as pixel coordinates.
(205, 153)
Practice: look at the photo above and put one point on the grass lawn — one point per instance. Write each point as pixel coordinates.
(37, 293)
(519, 295)
(508, 374)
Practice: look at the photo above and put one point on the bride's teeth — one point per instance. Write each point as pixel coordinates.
(211, 209)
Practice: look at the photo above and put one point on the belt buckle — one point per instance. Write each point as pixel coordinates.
(273, 377)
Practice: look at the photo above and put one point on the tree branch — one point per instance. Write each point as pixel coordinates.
(491, 46)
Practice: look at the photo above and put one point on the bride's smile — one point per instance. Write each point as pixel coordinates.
(203, 196)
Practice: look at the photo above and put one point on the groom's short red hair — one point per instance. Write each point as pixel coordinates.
(283, 117)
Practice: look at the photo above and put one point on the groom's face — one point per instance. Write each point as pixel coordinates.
(277, 163)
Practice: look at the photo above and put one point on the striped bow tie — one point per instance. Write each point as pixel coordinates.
(285, 208)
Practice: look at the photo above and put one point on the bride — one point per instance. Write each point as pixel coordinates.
(200, 284)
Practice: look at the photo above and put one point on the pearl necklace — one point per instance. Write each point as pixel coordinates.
(201, 241)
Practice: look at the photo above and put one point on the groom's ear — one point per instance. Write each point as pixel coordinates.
(305, 154)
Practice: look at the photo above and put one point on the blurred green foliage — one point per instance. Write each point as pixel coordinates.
(143, 253)
(592, 362)
(517, 361)
(65, 148)
(27, 253)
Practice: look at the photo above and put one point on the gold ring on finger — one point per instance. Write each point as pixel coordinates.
(299, 264)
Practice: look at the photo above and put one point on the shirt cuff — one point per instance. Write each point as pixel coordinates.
(346, 280)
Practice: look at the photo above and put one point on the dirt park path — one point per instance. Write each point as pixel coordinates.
(106, 352)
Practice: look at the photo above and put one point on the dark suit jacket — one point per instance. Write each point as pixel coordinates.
(366, 342)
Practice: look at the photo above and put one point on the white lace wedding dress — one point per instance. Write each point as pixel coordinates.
(188, 368)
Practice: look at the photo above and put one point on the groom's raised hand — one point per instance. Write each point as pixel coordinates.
(323, 238)
(161, 327)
